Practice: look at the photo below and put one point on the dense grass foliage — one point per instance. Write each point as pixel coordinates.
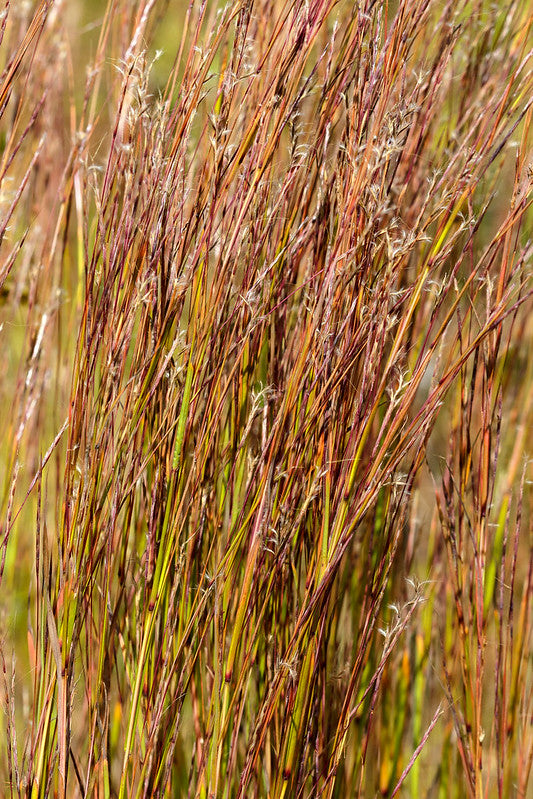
(266, 399)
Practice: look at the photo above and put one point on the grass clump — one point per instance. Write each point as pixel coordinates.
(267, 413)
